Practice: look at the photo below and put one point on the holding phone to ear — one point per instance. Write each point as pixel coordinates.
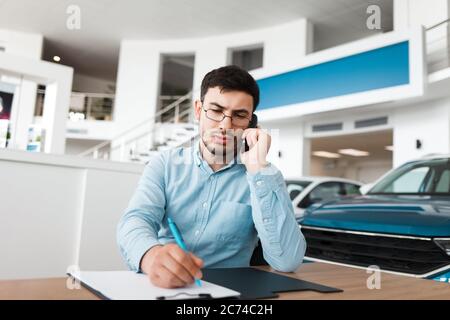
(253, 124)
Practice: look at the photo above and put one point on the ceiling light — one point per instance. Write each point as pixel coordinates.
(326, 154)
(354, 152)
(389, 148)
(56, 58)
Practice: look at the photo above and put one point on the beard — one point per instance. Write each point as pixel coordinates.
(222, 144)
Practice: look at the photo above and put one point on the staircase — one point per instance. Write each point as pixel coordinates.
(165, 136)
(170, 127)
(181, 113)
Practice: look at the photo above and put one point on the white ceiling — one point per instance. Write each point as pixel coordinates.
(94, 49)
(373, 142)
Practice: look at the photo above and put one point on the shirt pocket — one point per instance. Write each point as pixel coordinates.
(236, 225)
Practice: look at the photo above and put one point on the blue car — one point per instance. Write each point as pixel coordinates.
(401, 225)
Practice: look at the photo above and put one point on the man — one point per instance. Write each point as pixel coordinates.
(221, 199)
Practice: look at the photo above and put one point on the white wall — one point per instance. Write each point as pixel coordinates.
(288, 140)
(21, 43)
(429, 122)
(57, 211)
(363, 170)
(411, 13)
(139, 63)
(284, 45)
(90, 130)
(76, 146)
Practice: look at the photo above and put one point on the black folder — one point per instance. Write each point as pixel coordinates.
(258, 284)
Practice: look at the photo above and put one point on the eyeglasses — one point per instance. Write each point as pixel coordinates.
(218, 116)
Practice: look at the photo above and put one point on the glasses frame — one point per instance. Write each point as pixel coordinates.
(223, 117)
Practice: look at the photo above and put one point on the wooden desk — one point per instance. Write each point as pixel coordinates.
(351, 280)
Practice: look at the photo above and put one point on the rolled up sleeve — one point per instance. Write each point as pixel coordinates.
(282, 241)
(137, 231)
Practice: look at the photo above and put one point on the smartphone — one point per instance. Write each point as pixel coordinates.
(253, 124)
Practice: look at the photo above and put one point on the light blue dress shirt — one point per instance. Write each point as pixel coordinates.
(220, 214)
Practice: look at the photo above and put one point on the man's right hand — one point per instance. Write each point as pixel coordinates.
(169, 266)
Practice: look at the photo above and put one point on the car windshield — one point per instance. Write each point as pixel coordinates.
(431, 177)
(295, 187)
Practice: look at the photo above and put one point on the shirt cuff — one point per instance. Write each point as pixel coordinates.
(138, 252)
(266, 180)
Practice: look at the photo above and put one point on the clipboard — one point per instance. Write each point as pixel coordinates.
(253, 283)
(128, 285)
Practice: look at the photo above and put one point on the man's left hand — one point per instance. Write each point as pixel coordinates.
(259, 144)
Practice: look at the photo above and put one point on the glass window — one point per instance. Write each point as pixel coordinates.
(294, 188)
(427, 177)
(326, 191)
(444, 182)
(410, 181)
(351, 189)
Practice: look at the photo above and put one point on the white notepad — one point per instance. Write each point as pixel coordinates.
(128, 285)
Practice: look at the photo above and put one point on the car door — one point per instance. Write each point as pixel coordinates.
(296, 189)
(351, 189)
(326, 191)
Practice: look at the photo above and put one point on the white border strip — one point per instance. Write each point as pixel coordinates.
(367, 233)
(425, 275)
(416, 86)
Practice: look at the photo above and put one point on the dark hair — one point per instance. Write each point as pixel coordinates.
(231, 78)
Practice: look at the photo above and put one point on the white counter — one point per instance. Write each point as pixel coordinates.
(68, 161)
(57, 211)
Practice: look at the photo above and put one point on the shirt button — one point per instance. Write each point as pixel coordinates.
(205, 204)
(259, 183)
(266, 220)
(197, 232)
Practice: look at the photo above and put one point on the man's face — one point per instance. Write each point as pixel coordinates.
(221, 137)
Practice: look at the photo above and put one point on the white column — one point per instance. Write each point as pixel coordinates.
(137, 84)
(23, 114)
(293, 147)
(56, 109)
(401, 14)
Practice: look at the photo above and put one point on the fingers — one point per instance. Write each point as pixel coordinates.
(253, 139)
(178, 270)
(163, 277)
(171, 267)
(251, 135)
(245, 133)
(186, 262)
(197, 260)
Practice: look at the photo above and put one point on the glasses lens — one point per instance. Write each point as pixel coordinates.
(240, 121)
(218, 116)
(214, 115)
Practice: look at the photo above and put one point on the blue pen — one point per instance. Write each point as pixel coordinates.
(177, 234)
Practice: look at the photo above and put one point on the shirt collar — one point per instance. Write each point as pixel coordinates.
(199, 160)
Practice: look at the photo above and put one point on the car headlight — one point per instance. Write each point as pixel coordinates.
(444, 244)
